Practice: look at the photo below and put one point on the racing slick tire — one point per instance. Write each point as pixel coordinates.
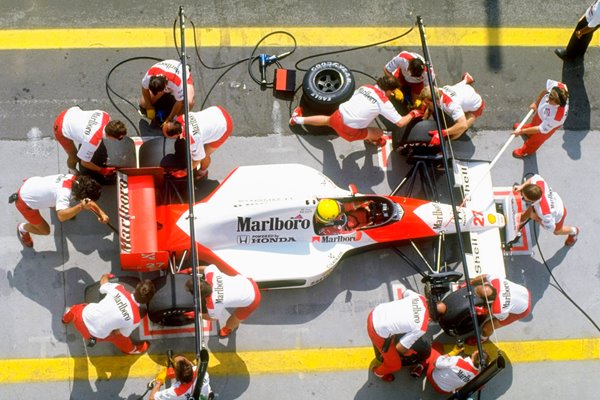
(416, 138)
(171, 304)
(326, 85)
(457, 320)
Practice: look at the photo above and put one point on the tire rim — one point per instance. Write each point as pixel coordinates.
(328, 81)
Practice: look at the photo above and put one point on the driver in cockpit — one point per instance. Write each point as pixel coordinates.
(333, 217)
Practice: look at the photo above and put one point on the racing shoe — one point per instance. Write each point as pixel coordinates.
(468, 78)
(67, 317)
(225, 332)
(140, 348)
(385, 377)
(572, 239)
(417, 371)
(297, 113)
(24, 238)
(518, 153)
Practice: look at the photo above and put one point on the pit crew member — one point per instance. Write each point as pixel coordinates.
(184, 372)
(410, 69)
(407, 316)
(54, 191)
(460, 101)
(115, 317)
(80, 133)
(163, 86)
(219, 291)
(505, 300)
(209, 128)
(352, 119)
(551, 109)
(546, 208)
(447, 373)
(333, 217)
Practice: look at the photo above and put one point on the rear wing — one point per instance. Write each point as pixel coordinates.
(138, 231)
(474, 179)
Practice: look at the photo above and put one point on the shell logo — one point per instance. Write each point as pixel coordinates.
(492, 218)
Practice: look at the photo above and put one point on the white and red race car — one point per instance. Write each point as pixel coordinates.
(260, 222)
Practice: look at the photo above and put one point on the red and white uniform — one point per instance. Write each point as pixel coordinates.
(450, 373)
(592, 14)
(550, 206)
(398, 66)
(184, 391)
(511, 299)
(366, 104)
(85, 129)
(170, 69)
(461, 98)
(229, 292)
(210, 126)
(40, 192)
(407, 316)
(551, 116)
(117, 310)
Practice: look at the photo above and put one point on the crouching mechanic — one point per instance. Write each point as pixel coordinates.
(407, 316)
(185, 374)
(546, 208)
(54, 191)
(447, 373)
(219, 291)
(352, 119)
(333, 217)
(162, 88)
(208, 128)
(115, 317)
(80, 133)
(506, 301)
(551, 108)
(460, 101)
(410, 69)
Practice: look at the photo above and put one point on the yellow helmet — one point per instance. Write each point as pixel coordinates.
(327, 211)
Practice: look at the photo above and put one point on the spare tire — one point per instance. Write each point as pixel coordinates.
(326, 85)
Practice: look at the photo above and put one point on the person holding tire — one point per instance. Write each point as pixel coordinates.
(115, 317)
(460, 101)
(408, 317)
(352, 119)
(219, 291)
(410, 69)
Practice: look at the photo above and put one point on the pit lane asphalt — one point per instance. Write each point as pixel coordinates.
(332, 314)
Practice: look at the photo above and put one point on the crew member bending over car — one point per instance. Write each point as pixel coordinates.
(80, 133)
(407, 316)
(447, 373)
(410, 69)
(460, 101)
(54, 191)
(551, 108)
(184, 372)
(352, 119)
(162, 90)
(115, 317)
(546, 208)
(506, 301)
(333, 217)
(209, 128)
(219, 291)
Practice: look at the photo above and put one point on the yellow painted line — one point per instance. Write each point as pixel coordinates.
(28, 39)
(268, 362)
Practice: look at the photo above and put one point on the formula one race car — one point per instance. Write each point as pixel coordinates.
(260, 222)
